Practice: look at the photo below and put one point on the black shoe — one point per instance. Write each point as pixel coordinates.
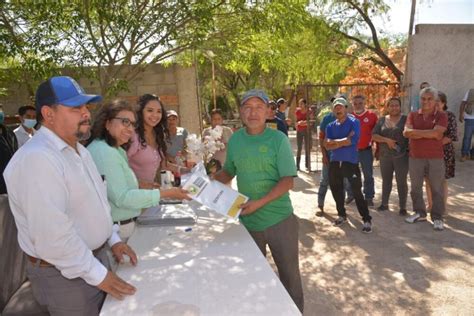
(321, 211)
(367, 228)
(340, 220)
(403, 212)
(349, 200)
(382, 208)
(370, 202)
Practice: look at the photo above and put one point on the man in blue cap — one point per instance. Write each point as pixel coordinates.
(61, 212)
(262, 160)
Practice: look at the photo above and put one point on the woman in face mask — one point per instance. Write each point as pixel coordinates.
(8, 146)
(26, 129)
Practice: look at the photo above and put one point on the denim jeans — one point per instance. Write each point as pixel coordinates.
(323, 184)
(366, 161)
(466, 141)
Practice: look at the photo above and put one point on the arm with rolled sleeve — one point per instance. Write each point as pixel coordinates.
(115, 167)
(48, 225)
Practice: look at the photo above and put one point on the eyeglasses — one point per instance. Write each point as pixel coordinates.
(126, 122)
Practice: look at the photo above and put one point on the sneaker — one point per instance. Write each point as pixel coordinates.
(415, 218)
(340, 220)
(367, 228)
(349, 200)
(438, 224)
(321, 211)
(403, 212)
(382, 208)
(370, 202)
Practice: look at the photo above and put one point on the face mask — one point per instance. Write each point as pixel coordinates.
(2, 117)
(29, 123)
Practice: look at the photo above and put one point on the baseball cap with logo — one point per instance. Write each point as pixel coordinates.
(62, 90)
(254, 93)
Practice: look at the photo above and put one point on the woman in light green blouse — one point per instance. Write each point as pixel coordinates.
(112, 130)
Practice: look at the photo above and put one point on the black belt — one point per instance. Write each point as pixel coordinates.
(126, 221)
(366, 148)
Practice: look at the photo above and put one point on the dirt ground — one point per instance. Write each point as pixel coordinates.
(399, 269)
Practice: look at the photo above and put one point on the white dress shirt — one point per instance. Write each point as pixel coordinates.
(60, 206)
(22, 135)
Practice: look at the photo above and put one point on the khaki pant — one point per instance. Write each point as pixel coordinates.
(434, 170)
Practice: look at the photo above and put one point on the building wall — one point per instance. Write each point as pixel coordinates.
(442, 55)
(175, 85)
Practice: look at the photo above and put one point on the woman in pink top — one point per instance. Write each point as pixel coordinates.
(146, 152)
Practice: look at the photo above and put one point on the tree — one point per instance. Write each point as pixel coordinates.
(271, 46)
(113, 39)
(349, 17)
(27, 57)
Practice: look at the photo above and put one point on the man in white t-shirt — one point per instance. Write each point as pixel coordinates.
(466, 115)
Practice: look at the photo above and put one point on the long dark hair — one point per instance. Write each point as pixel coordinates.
(105, 114)
(161, 129)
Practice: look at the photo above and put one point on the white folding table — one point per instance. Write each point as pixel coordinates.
(213, 269)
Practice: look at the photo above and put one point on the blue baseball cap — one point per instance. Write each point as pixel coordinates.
(62, 90)
(254, 93)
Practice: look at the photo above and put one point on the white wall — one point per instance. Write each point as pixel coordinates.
(442, 55)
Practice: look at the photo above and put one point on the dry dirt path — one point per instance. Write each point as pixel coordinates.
(399, 269)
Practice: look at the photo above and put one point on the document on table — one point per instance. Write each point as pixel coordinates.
(214, 195)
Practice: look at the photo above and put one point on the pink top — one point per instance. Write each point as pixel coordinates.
(144, 161)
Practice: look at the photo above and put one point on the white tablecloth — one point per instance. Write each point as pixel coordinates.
(214, 269)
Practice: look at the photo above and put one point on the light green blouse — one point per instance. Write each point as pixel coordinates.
(125, 198)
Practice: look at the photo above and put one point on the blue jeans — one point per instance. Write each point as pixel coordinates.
(323, 184)
(366, 160)
(466, 140)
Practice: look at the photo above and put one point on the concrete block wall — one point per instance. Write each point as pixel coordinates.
(176, 86)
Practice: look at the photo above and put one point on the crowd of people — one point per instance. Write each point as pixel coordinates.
(93, 176)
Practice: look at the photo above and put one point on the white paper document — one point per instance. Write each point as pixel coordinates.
(214, 194)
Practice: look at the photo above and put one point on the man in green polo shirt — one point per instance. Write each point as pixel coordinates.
(262, 160)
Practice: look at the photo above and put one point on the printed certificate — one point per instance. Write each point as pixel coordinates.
(214, 195)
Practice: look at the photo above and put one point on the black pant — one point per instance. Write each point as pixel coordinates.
(337, 172)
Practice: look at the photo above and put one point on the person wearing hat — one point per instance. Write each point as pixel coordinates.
(274, 121)
(282, 104)
(262, 160)
(178, 135)
(61, 212)
(341, 139)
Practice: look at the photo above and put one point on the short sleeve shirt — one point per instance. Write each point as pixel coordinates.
(426, 148)
(177, 142)
(259, 162)
(338, 130)
(393, 132)
(367, 123)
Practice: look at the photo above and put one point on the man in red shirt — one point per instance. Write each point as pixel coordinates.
(425, 129)
(368, 120)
